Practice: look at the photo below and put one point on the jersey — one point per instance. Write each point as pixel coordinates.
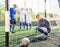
(12, 13)
(28, 17)
(22, 16)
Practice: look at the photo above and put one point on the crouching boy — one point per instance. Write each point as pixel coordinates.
(43, 26)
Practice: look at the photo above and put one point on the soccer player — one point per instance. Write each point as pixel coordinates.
(43, 26)
(12, 17)
(28, 19)
(22, 18)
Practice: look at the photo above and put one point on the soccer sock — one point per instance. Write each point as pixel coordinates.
(30, 25)
(20, 25)
(11, 28)
(24, 25)
(27, 26)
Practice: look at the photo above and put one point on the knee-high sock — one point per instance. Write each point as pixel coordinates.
(20, 25)
(27, 26)
(24, 25)
(30, 25)
(11, 27)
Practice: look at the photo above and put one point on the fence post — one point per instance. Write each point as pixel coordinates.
(7, 23)
(45, 10)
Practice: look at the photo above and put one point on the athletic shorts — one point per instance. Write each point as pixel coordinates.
(12, 21)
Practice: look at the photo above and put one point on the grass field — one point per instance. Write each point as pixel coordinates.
(15, 38)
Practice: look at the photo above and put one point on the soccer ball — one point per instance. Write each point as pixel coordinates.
(25, 41)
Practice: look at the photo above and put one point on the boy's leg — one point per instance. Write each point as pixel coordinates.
(20, 25)
(11, 27)
(45, 33)
(30, 26)
(40, 30)
(24, 25)
(27, 26)
(12, 22)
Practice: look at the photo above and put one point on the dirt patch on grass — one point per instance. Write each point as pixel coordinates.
(52, 41)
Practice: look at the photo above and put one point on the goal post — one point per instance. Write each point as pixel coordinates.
(7, 23)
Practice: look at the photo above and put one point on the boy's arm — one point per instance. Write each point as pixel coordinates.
(47, 23)
(48, 26)
(15, 12)
(10, 10)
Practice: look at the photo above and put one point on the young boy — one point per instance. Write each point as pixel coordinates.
(28, 19)
(12, 17)
(43, 26)
(22, 18)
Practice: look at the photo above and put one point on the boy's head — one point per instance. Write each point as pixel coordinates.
(22, 9)
(30, 10)
(26, 9)
(38, 17)
(14, 5)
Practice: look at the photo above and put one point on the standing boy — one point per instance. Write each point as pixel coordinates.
(28, 19)
(22, 18)
(12, 17)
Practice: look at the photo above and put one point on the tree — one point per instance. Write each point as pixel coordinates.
(2, 13)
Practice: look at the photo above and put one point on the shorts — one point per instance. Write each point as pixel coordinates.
(12, 21)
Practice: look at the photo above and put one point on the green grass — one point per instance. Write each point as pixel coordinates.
(15, 37)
